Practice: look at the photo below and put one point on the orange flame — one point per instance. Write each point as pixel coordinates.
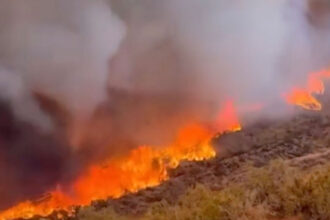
(227, 118)
(304, 97)
(144, 167)
(141, 168)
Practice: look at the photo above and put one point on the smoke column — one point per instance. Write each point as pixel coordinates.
(54, 57)
(61, 49)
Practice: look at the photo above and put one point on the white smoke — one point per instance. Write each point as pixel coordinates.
(60, 48)
(224, 48)
(207, 51)
(236, 46)
(14, 91)
(245, 50)
(180, 59)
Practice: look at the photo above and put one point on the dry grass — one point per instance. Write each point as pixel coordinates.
(274, 192)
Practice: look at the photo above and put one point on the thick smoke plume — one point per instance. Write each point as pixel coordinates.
(196, 54)
(54, 58)
(79, 80)
(59, 48)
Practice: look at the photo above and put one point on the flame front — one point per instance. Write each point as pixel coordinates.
(147, 166)
(143, 167)
(304, 97)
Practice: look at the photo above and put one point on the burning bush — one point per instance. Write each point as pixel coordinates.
(277, 191)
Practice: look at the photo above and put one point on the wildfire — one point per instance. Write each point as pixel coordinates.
(147, 166)
(304, 97)
(143, 167)
(227, 119)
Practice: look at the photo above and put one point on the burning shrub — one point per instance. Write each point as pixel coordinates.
(276, 191)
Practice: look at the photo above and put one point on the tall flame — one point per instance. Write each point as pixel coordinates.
(227, 118)
(143, 167)
(304, 97)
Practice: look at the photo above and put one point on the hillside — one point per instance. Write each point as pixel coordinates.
(253, 169)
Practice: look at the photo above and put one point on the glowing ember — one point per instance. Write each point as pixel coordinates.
(304, 96)
(141, 168)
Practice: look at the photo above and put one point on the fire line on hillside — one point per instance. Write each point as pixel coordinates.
(147, 166)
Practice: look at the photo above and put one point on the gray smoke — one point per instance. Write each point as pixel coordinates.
(59, 48)
(54, 57)
(14, 91)
(180, 60)
(196, 54)
(115, 74)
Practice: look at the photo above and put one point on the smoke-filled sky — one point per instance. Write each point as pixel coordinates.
(205, 52)
(99, 76)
